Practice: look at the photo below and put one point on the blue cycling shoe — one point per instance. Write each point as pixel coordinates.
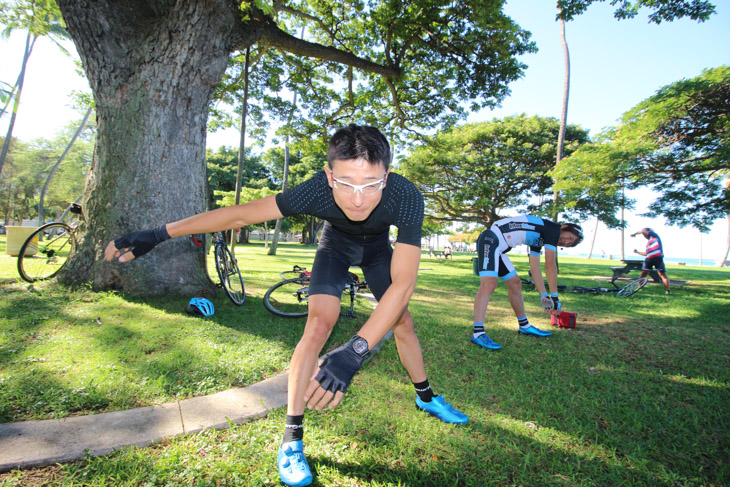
(485, 342)
(442, 410)
(293, 467)
(536, 332)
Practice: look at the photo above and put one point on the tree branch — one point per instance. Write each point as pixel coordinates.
(267, 32)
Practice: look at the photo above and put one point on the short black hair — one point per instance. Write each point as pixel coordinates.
(575, 229)
(359, 142)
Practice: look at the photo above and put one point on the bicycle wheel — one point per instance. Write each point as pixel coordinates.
(289, 298)
(632, 287)
(294, 273)
(45, 252)
(229, 274)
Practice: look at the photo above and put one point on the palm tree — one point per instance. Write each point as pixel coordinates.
(39, 18)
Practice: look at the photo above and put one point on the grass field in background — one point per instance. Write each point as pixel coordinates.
(637, 394)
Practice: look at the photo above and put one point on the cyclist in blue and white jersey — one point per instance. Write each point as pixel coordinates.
(654, 255)
(492, 262)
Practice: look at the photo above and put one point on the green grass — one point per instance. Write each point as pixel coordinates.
(637, 394)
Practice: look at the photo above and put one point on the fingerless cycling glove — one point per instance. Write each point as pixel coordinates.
(143, 241)
(338, 369)
(546, 301)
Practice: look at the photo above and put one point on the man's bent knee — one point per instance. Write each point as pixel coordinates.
(324, 311)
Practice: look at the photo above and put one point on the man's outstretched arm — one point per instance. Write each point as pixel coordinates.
(239, 216)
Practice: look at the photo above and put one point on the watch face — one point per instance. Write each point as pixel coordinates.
(360, 345)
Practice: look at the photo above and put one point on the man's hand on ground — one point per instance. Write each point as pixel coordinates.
(333, 377)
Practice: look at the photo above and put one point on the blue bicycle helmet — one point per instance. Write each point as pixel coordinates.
(200, 307)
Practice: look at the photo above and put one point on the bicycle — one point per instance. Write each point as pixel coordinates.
(622, 292)
(289, 298)
(46, 251)
(226, 267)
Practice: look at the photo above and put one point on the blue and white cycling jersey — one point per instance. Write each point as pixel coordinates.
(528, 230)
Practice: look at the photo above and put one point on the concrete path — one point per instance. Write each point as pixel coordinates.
(37, 443)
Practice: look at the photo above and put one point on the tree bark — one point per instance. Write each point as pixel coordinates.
(152, 74)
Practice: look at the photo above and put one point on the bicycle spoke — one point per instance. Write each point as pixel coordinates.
(632, 287)
(45, 252)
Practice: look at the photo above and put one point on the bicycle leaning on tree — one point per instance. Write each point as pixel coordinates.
(46, 251)
(226, 266)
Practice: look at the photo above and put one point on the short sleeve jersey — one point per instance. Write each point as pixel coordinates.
(529, 230)
(654, 245)
(401, 205)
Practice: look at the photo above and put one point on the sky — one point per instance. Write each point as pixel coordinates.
(614, 65)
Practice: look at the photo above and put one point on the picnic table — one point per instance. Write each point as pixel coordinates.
(439, 254)
(632, 265)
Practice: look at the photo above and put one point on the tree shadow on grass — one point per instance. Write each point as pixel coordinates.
(73, 353)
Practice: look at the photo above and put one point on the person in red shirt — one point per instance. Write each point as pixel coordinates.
(654, 255)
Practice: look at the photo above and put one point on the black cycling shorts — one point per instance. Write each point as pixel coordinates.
(338, 251)
(492, 261)
(656, 262)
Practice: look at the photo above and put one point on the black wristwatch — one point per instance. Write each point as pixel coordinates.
(360, 346)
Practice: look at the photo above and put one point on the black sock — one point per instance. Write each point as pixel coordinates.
(423, 389)
(294, 429)
(523, 321)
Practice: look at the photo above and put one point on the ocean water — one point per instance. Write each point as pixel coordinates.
(667, 260)
(670, 261)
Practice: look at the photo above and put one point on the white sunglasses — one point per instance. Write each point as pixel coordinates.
(365, 189)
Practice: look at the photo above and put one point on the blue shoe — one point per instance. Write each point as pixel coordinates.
(485, 342)
(293, 467)
(442, 410)
(536, 332)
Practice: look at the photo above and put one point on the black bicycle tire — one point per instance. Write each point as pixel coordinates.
(301, 281)
(286, 275)
(22, 258)
(231, 270)
(632, 288)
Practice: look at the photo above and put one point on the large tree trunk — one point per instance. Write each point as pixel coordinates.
(152, 83)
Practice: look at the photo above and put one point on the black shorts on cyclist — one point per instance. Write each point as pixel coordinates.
(338, 251)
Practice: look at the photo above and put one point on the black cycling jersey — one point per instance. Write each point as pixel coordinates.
(401, 205)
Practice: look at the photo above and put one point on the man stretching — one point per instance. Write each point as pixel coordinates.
(492, 247)
(360, 199)
(654, 255)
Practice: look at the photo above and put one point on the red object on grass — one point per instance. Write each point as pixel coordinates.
(564, 319)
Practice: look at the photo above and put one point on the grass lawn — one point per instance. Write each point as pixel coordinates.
(637, 394)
